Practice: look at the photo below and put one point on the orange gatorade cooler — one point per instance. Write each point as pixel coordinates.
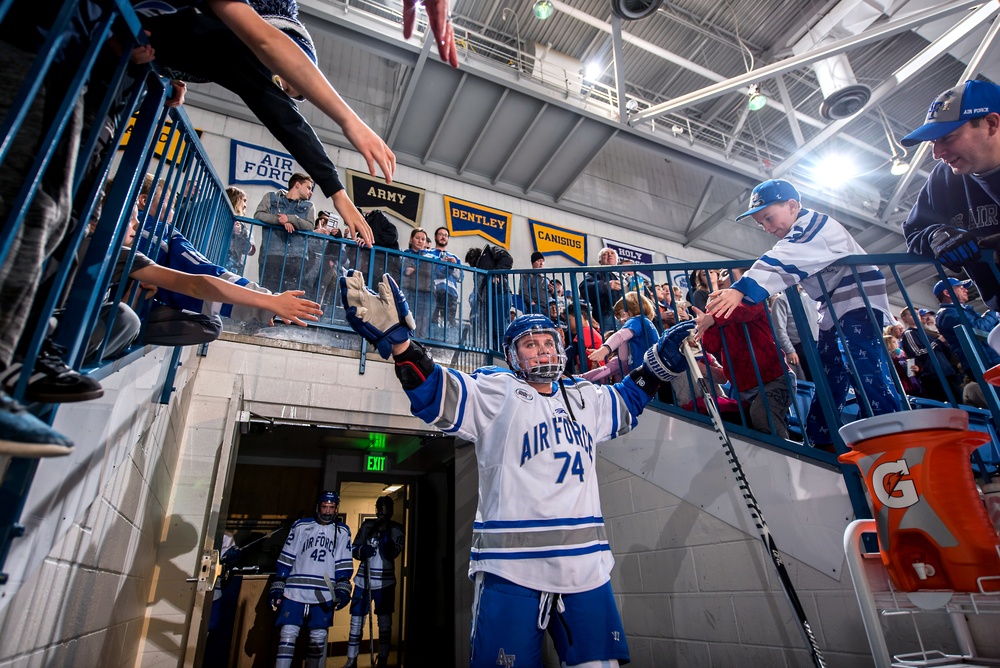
(933, 531)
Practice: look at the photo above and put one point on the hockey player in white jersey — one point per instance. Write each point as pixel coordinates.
(313, 580)
(376, 544)
(540, 554)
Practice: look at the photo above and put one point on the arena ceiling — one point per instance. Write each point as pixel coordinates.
(676, 83)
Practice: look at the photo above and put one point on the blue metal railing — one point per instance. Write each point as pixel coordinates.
(73, 51)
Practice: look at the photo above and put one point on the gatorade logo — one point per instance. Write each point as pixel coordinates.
(891, 488)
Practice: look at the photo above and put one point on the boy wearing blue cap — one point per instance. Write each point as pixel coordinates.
(957, 210)
(948, 318)
(809, 242)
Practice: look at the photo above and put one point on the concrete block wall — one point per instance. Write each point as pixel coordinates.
(81, 576)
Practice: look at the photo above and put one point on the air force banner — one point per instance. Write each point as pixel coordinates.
(260, 166)
(371, 192)
(466, 218)
(551, 240)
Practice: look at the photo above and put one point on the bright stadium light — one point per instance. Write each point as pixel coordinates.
(592, 71)
(543, 9)
(835, 170)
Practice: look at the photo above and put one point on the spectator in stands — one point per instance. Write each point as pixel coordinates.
(683, 385)
(285, 257)
(591, 336)
(636, 331)
(787, 332)
(703, 283)
(910, 384)
(486, 324)
(241, 245)
(956, 211)
(724, 336)
(919, 355)
(952, 314)
(326, 223)
(535, 287)
(809, 242)
(203, 46)
(602, 289)
(446, 281)
(416, 281)
(634, 282)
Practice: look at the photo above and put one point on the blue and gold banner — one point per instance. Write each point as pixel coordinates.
(467, 218)
(260, 166)
(550, 239)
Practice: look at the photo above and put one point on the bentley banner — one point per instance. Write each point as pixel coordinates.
(467, 218)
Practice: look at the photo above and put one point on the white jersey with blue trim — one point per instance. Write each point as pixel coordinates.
(538, 522)
(311, 551)
(804, 256)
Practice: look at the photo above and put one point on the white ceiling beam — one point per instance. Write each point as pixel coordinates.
(834, 48)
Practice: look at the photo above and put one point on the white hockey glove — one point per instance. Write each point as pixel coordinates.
(664, 359)
(382, 318)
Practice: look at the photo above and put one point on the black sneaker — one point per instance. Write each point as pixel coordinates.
(24, 435)
(53, 382)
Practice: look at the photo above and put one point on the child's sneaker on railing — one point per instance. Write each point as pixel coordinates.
(24, 435)
(52, 382)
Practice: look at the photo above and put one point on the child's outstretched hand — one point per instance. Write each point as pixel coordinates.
(599, 355)
(723, 302)
(440, 22)
(289, 307)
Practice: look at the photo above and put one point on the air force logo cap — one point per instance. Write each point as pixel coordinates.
(955, 106)
(769, 192)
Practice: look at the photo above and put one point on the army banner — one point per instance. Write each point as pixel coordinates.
(550, 239)
(372, 192)
(260, 166)
(468, 218)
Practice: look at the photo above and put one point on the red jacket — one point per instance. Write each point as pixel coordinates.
(762, 341)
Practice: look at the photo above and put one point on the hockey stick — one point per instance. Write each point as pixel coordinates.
(369, 608)
(755, 514)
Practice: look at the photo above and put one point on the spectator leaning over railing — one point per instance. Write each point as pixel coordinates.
(809, 242)
(601, 289)
(956, 211)
(446, 280)
(637, 332)
(416, 281)
(285, 257)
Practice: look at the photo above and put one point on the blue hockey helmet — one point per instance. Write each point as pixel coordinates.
(327, 496)
(527, 325)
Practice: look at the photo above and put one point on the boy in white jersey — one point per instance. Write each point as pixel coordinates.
(809, 242)
(540, 553)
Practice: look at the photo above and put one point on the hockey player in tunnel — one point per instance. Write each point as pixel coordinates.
(376, 544)
(540, 554)
(313, 579)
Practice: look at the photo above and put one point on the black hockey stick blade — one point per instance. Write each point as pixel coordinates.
(755, 514)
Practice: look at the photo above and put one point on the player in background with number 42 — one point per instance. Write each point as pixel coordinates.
(539, 546)
(313, 579)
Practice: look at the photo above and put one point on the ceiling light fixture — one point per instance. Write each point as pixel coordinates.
(755, 99)
(389, 489)
(592, 71)
(899, 167)
(899, 164)
(543, 9)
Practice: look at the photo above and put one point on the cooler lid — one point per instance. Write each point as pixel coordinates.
(895, 423)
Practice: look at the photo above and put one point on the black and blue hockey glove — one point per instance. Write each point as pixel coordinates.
(954, 247)
(342, 590)
(383, 318)
(366, 551)
(276, 594)
(664, 359)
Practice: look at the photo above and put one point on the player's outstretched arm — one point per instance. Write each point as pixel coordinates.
(281, 55)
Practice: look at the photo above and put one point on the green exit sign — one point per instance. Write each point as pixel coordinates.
(375, 463)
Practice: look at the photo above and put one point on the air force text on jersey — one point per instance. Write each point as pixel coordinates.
(557, 431)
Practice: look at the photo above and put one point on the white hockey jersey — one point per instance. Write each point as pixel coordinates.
(539, 521)
(804, 256)
(312, 550)
(388, 545)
